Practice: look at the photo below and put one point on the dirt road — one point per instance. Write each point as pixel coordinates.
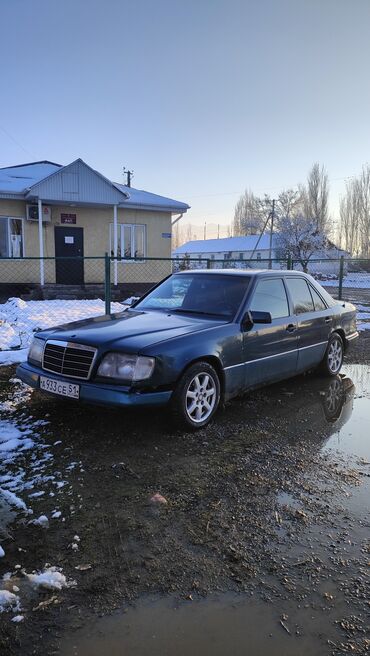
(269, 505)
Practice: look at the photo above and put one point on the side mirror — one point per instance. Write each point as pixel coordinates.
(247, 321)
(261, 317)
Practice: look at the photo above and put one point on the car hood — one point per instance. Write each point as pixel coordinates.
(132, 329)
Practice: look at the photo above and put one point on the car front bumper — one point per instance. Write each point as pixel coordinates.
(95, 393)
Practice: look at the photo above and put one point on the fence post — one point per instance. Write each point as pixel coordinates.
(107, 293)
(341, 273)
(289, 262)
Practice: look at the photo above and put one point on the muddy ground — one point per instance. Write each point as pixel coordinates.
(257, 505)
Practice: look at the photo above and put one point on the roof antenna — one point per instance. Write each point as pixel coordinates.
(129, 175)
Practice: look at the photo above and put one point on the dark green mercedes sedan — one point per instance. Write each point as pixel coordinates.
(194, 341)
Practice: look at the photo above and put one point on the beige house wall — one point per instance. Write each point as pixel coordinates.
(95, 221)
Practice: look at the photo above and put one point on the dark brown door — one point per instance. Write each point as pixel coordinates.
(69, 250)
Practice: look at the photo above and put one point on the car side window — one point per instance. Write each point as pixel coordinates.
(270, 296)
(318, 302)
(301, 295)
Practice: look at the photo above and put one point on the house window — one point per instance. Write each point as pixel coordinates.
(212, 256)
(11, 237)
(227, 256)
(258, 256)
(131, 240)
(241, 256)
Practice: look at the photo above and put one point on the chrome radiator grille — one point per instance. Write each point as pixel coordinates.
(68, 359)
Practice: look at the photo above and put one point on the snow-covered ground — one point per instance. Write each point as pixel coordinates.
(355, 280)
(19, 320)
(28, 474)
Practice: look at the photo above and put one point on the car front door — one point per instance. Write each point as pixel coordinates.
(310, 322)
(270, 349)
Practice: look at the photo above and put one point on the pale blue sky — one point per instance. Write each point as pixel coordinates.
(202, 98)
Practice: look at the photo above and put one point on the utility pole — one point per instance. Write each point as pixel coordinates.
(205, 230)
(272, 216)
(218, 231)
(129, 175)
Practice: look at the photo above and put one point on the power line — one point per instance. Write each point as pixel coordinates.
(17, 142)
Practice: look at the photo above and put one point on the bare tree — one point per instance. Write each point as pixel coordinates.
(364, 218)
(299, 237)
(355, 214)
(349, 235)
(316, 197)
(289, 203)
(249, 214)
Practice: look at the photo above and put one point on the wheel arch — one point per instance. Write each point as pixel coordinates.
(341, 334)
(214, 361)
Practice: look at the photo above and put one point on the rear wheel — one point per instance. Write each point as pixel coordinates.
(196, 397)
(333, 358)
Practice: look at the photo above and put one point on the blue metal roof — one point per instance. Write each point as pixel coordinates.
(140, 198)
(225, 245)
(17, 179)
(28, 180)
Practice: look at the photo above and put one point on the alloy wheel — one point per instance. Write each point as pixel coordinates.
(335, 355)
(201, 396)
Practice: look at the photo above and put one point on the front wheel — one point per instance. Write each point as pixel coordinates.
(196, 397)
(333, 358)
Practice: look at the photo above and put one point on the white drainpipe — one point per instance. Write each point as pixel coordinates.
(41, 243)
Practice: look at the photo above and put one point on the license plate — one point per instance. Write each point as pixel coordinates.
(58, 387)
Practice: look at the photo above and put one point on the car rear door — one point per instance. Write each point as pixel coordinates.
(310, 323)
(270, 350)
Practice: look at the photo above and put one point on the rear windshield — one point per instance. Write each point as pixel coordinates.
(191, 293)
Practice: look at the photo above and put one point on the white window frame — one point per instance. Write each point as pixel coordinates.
(8, 219)
(120, 227)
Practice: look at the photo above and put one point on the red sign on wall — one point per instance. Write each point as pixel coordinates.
(71, 219)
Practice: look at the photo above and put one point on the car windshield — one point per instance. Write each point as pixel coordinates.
(194, 293)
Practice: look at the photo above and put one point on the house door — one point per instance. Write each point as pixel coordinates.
(69, 243)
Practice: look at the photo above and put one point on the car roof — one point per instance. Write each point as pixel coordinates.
(245, 272)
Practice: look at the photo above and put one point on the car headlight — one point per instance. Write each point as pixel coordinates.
(127, 367)
(36, 350)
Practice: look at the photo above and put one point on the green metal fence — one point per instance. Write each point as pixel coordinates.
(115, 279)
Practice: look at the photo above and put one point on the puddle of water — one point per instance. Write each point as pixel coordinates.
(228, 625)
(352, 439)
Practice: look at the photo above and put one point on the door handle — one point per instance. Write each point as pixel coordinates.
(291, 327)
(328, 320)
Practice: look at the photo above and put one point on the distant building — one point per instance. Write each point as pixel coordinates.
(229, 248)
(254, 251)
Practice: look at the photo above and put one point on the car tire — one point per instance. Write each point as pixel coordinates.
(333, 358)
(196, 397)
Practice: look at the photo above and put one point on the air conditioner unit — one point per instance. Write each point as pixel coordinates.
(33, 213)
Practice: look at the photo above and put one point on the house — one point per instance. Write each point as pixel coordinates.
(254, 251)
(48, 210)
(251, 248)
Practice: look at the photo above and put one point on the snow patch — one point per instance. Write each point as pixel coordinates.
(8, 601)
(40, 521)
(50, 578)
